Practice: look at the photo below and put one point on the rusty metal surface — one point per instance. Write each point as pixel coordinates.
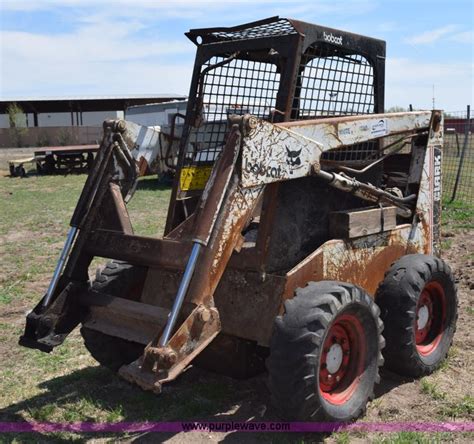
(141, 250)
(337, 131)
(234, 214)
(184, 230)
(285, 151)
(198, 330)
(161, 286)
(271, 153)
(163, 364)
(213, 195)
(122, 318)
(428, 205)
(267, 218)
(362, 261)
(255, 297)
(248, 303)
(225, 208)
(119, 210)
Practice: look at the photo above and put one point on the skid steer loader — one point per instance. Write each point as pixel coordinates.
(302, 220)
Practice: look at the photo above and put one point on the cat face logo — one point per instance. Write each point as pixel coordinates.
(293, 157)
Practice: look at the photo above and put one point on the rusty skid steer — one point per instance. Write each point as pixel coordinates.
(301, 221)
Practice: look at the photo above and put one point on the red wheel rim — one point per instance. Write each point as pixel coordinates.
(342, 359)
(430, 319)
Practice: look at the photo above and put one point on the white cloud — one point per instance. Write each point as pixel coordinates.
(105, 39)
(105, 53)
(431, 36)
(411, 81)
(98, 57)
(88, 44)
(199, 9)
(463, 37)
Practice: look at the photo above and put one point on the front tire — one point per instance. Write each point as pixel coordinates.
(418, 303)
(325, 353)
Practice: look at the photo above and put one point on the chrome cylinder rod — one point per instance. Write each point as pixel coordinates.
(60, 265)
(182, 290)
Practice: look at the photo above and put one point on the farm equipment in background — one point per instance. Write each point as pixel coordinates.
(65, 159)
(56, 159)
(301, 221)
(154, 150)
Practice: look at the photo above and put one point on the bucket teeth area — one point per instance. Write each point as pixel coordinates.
(144, 379)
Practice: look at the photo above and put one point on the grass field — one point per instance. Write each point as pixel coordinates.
(67, 385)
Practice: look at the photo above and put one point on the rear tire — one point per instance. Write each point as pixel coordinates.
(325, 353)
(123, 280)
(418, 303)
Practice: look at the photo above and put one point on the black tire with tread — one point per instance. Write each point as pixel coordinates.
(295, 351)
(397, 297)
(124, 280)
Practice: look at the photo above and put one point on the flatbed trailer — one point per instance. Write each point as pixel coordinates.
(65, 159)
(56, 159)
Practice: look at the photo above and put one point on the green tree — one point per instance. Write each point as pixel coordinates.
(17, 121)
(396, 109)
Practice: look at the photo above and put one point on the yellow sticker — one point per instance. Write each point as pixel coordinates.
(194, 177)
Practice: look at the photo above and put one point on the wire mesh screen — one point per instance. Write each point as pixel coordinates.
(458, 158)
(332, 83)
(238, 87)
(357, 155)
(275, 28)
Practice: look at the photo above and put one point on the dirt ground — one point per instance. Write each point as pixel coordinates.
(68, 386)
(399, 399)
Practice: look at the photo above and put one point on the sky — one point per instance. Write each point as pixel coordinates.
(64, 48)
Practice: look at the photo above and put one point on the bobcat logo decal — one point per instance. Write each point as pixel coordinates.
(293, 157)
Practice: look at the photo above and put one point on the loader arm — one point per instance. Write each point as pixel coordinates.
(258, 153)
(101, 208)
(222, 214)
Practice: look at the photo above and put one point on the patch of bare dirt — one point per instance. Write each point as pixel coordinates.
(15, 236)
